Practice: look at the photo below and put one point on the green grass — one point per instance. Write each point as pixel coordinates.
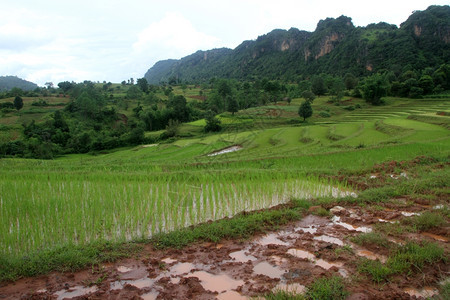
(406, 259)
(371, 238)
(283, 295)
(142, 192)
(426, 221)
(64, 259)
(327, 289)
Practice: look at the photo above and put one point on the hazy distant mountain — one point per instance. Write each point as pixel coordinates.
(9, 82)
(335, 47)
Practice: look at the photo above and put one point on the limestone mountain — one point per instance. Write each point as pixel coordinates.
(335, 47)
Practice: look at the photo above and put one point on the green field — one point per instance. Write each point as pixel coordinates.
(136, 193)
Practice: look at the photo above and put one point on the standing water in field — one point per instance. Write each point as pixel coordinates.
(79, 211)
(226, 150)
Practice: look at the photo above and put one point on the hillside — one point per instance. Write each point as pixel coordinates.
(336, 47)
(9, 82)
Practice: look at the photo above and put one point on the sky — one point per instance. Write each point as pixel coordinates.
(109, 40)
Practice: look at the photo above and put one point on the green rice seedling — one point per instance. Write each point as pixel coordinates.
(327, 288)
(332, 135)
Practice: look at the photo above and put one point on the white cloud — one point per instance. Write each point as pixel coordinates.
(173, 36)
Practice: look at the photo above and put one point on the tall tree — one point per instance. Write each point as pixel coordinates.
(233, 105)
(374, 88)
(305, 110)
(318, 86)
(143, 84)
(18, 103)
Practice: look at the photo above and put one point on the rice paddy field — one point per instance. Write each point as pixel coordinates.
(132, 194)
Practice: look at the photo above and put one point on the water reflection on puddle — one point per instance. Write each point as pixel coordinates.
(337, 221)
(240, 256)
(216, 283)
(310, 229)
(264, 268)
(272, 239)
(301, 254)
(409, 214)
(310, 256)
(168, 260)
(76, 291)
(181, 268)
(329, 239)
(435, 236)
(230, 295)
(123, 269)
(139, 283)
(150, 296)
(370, 255)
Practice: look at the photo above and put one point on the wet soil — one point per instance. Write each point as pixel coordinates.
(290, 258)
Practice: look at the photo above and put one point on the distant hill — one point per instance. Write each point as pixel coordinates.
(9, 82)
(336, 47)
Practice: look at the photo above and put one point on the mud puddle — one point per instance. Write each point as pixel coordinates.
(289, 259)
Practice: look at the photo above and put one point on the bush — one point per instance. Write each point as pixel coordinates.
(324, 114)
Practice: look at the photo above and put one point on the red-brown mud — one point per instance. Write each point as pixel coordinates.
(291, 258)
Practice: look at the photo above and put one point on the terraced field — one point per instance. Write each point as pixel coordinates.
(260, 161)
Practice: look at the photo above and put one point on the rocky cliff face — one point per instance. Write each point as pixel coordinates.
(336, 46)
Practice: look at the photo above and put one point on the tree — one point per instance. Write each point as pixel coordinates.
(66, 86)
(426, 83)
(308, 96)
(134, 92)
(318, 86)
(350, 81)
(49, 85)
(178, 105)
(305, 110)
(374, 88)
(212, 123)
(18, 103)
(233, 105)
(143, 84)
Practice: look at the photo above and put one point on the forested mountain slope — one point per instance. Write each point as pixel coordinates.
(336, 47)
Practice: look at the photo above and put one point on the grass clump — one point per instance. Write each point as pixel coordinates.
(425, 221)
(64, 259)
(408, 258)
(445, 289)
(283, 295)
(375, 269)
(327, 288)
(371, 238)
(414, 256)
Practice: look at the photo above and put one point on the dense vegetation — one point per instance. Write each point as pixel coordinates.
(336, 47)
